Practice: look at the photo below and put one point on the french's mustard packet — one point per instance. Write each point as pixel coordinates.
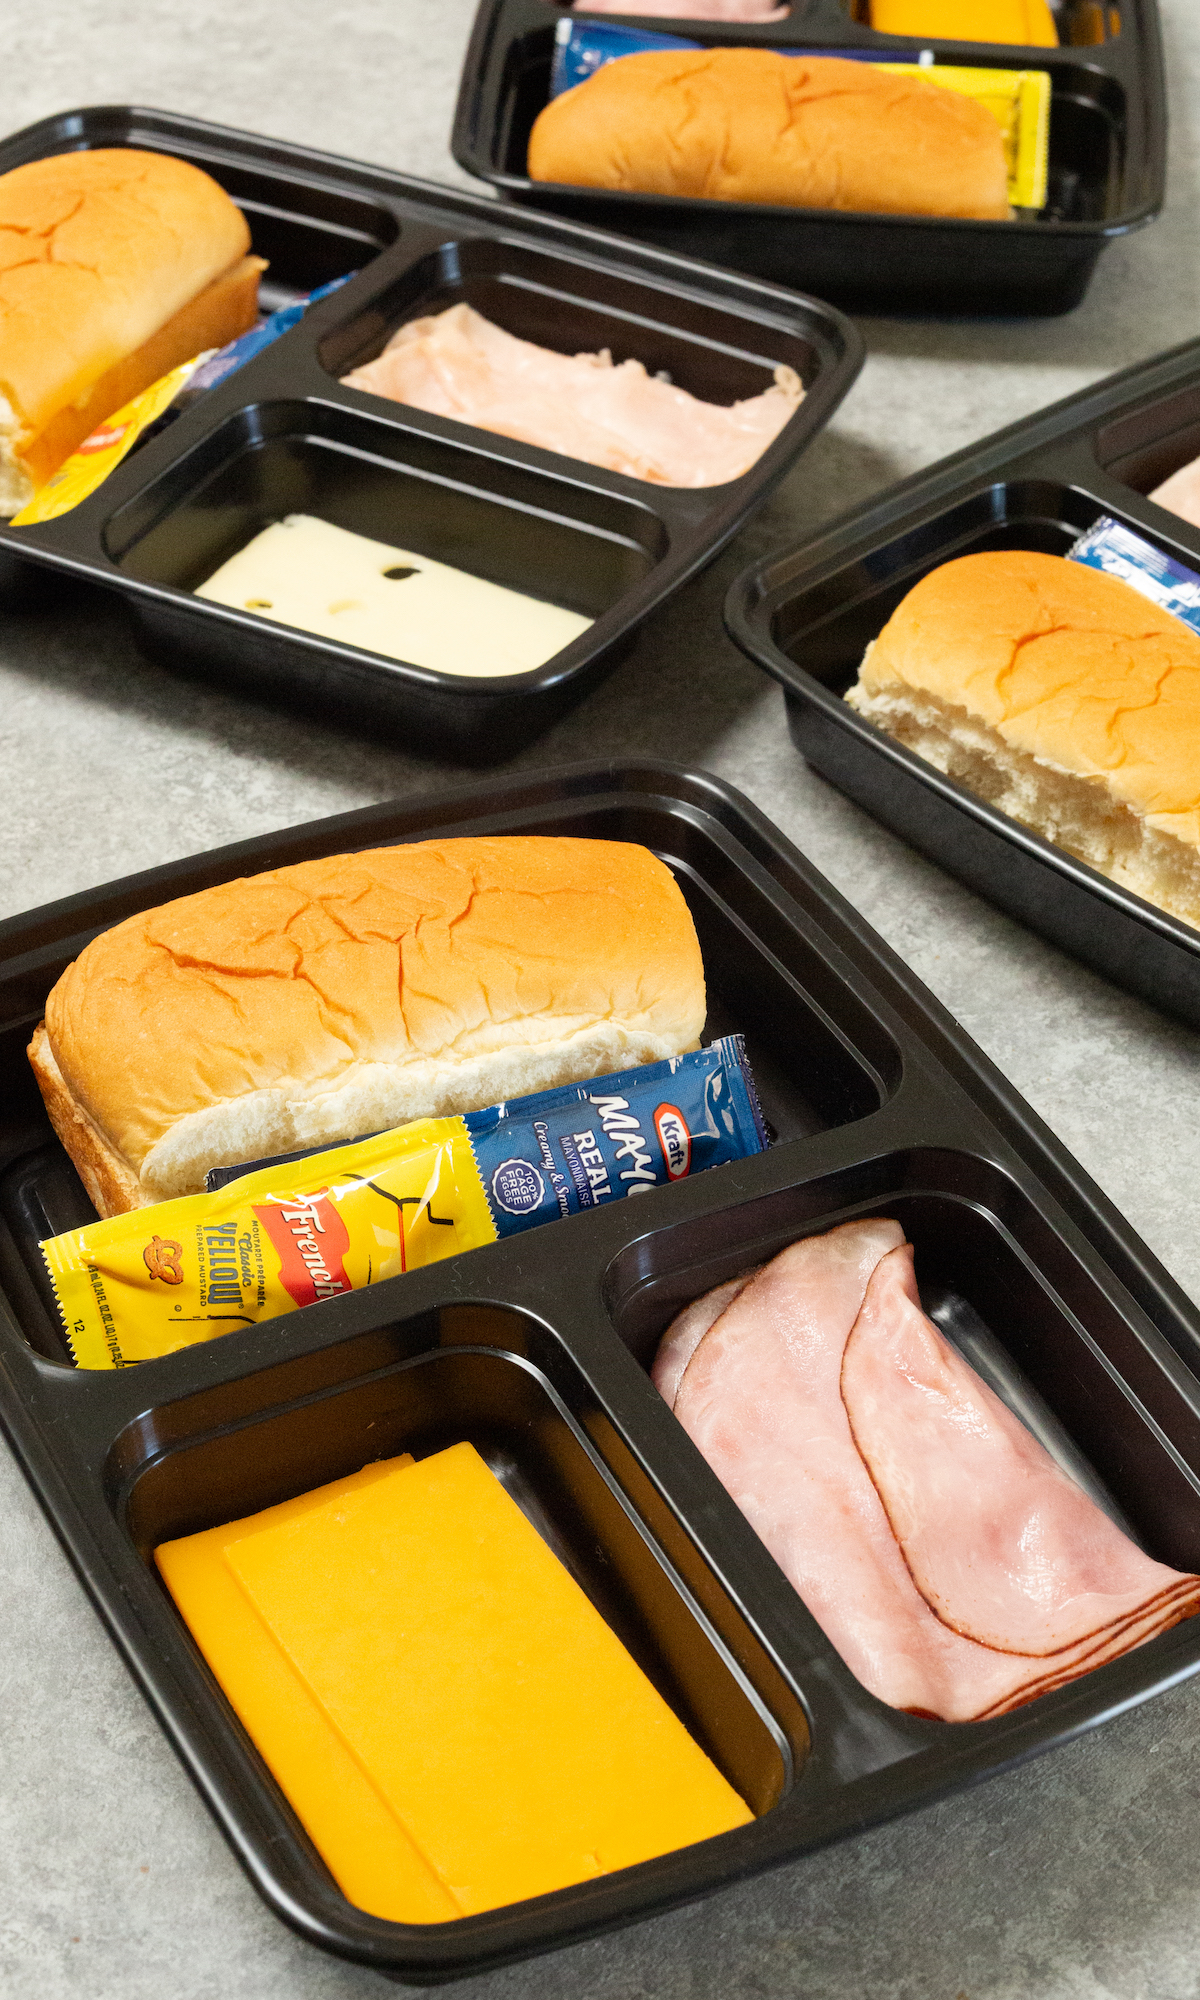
(291, 1233)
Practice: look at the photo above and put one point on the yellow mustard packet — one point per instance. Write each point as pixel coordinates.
(1019, 101)
(160, 1278)
(90, 464)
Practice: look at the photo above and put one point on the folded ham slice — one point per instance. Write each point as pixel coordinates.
(956, 1569)
(457, 364)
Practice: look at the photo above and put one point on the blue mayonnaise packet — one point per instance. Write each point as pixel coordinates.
(583, 47)
(1117, 550)
(586, 1145)
(583, 1145)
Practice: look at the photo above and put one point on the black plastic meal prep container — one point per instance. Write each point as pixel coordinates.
(283, 436)
(1107, 162)
(537, 1351)
(808, 615)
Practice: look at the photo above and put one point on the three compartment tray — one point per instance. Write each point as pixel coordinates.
(1108, 131)
(536, 1350)
(283, 436)
(807, 617)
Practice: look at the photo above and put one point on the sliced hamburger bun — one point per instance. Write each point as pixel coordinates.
(1063, 697)
(338, 997)
(115, 266)
(798, 131)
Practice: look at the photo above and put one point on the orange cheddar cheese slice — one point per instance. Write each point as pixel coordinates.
(368, 1852)
(1028, 22)
(451, 1718)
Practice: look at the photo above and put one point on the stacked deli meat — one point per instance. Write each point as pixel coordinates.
(959, 1572)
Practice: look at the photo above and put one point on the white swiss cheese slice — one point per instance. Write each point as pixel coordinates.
(307, 573)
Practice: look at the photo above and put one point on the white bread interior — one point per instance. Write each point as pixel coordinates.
(16, 486)
(315, 1003)
(370, 1097)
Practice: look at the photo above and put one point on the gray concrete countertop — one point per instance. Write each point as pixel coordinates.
(1075, 1879)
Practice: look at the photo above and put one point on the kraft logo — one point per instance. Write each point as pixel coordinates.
(161, 1258)
(675, 1140)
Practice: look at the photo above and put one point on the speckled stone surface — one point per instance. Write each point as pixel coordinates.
(1077, 1878)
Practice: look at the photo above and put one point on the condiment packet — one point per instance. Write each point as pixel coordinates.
(1120, 552)
(290, 1234)
(153, 410)
(1019, 100)
(583, 47)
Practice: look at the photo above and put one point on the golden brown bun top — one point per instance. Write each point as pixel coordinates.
(751, 125)
(1069, 665)
(401, 952)
(97, 251)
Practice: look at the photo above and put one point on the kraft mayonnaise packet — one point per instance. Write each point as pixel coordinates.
(1019, 100)
(583, 47)
(1120, 552)
(290, 1234)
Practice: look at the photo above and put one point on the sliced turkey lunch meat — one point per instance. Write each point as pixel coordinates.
(866, 1454)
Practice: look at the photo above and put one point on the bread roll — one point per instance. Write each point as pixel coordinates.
(751, 125)
(1028, 22)
(115, 266)
(338, 997)
(1063, 697)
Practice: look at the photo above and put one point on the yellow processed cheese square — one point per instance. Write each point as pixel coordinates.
(490, 1711)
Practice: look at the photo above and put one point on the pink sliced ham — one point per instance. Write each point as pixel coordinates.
(458, 364)
(956, 1569)
(688, 1329)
